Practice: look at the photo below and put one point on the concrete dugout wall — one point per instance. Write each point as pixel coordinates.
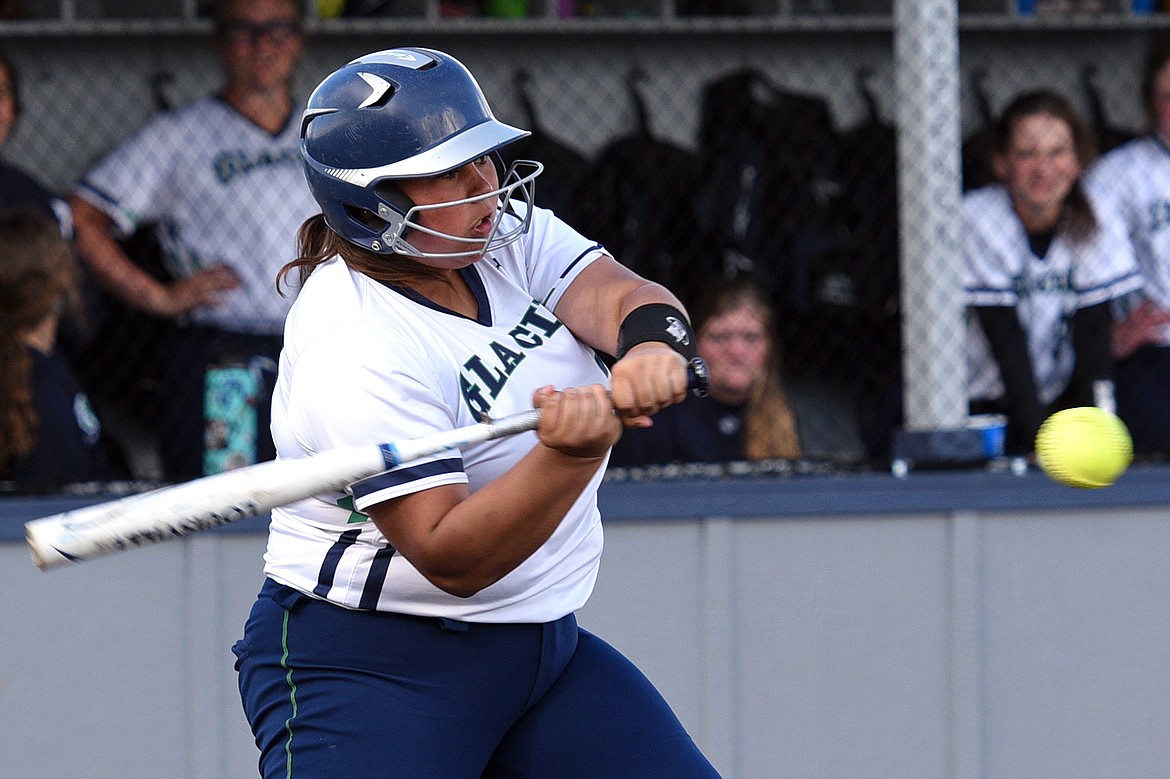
(945, 625)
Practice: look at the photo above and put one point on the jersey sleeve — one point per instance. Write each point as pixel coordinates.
(347, 392)
(131, 183)
(1108, 181)
(552, 255)
(988, 276)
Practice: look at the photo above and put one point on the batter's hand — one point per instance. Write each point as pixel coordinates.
(201, 288)
(650, 377)
(577, 421)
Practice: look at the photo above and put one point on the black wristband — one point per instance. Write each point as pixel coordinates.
(657, 322)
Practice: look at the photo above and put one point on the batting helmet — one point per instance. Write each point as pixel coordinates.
(400, 114)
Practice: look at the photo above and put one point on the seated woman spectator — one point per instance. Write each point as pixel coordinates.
(748, 415)
(49, 434)
(1042, 264)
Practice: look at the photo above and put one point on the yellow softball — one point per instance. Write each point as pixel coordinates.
(1084, 447)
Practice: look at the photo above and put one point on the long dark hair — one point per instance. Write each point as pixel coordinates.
(317, 243)
(1079, 221)
(38, 278)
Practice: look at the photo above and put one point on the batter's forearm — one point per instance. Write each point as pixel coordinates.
(487, 535)
(602, 296)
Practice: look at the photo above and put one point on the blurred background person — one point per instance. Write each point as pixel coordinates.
(221, 179)
(18, 188)
(748, 415)
(1136, 178)
(49, 434)
(1042, 263)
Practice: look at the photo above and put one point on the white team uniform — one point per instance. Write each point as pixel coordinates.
(1135, 178)
(1000, 269)
(364, 363)
(225, 190)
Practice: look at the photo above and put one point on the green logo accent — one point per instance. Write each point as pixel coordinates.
(346, 502)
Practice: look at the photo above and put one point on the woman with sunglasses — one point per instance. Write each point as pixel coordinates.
(220, 182)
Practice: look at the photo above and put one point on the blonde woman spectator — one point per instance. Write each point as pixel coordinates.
(748, 415)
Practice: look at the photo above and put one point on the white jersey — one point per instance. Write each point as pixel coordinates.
(364, 363)
(223, 191)
(1000, 269)
(1135, 178)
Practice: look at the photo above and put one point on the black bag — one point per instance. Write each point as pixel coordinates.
(773, 200)
(872, 310)
(976, 151)
(638, 202)
(564, 167)
(1109, 135)
(869, 173)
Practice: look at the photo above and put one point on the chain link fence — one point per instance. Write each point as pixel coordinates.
(691, 156)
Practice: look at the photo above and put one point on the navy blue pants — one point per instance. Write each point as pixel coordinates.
(1143, 380)
(338, 694)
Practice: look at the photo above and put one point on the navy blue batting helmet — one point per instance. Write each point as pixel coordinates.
(400, 114)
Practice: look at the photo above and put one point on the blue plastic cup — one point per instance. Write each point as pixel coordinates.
(992, 429)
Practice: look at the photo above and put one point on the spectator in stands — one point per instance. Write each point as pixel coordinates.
(221, 178)
(1042, 264)
(49, 434)
(18, 189)
(1136, 178)
(748, 415)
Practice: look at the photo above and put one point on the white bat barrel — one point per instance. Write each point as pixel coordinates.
(176, 511)
(171, 512)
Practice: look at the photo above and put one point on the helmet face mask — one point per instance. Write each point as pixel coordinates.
(519, 183)
(406, 114)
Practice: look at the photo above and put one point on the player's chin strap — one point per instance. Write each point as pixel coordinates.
(664, 323)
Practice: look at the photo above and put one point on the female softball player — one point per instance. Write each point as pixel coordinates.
(1043, 262)
(422, 624)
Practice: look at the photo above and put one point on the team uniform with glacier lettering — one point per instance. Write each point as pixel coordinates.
(392, 366)
(1001, 269)
(458, 655)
